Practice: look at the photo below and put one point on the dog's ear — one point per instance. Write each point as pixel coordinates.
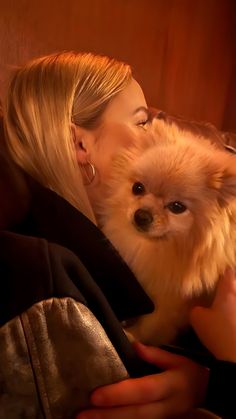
(223, 180)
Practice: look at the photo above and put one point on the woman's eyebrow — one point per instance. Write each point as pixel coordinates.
(141, 108)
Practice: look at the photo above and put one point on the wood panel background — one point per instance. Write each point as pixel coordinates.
(183, 52)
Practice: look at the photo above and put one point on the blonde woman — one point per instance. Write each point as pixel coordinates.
(65, 116)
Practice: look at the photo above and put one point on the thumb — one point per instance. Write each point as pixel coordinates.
(158, 357)
(200, 319)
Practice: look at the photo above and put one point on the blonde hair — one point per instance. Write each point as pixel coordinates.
(44, 98)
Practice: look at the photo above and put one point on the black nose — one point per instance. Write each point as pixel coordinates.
(143, 218)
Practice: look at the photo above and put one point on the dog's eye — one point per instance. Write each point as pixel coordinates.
(176, 207)
(138, 188)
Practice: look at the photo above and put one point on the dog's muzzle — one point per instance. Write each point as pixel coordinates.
(143, 218)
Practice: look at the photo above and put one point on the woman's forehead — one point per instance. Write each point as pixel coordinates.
(128, 101)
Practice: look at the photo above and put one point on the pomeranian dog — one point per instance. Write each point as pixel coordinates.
(171, 213)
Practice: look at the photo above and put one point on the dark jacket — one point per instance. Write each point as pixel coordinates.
(64, 291)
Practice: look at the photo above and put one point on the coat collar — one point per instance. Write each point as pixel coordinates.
(54, 219)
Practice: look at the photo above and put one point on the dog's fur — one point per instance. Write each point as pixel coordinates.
(176, 257)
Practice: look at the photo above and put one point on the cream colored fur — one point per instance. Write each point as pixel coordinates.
(179, 258)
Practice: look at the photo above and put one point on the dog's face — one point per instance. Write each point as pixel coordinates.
(158, 198)
(157, 206)
(173, 188)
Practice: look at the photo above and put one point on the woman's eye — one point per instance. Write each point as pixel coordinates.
(143, 124)
(176, 207)
(138, 188)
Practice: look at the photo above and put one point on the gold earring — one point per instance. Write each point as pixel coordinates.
(88, 172)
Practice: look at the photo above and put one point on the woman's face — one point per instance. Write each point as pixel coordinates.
(123, 123)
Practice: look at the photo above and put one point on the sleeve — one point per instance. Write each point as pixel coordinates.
(51, 357)
(221, 393)
(53, 349)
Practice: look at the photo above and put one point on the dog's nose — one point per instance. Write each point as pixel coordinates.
(143, 218)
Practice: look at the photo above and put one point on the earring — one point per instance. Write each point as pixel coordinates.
(88, 172)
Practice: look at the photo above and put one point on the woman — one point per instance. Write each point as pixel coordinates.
(66, 115)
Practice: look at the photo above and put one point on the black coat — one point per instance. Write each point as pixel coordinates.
(54, 262)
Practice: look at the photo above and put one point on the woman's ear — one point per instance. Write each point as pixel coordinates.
(79, 144)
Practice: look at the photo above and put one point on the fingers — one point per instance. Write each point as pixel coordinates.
(198, 315)
(225, 295)
(133, 391)
(230, 273)
(162, 395)
(216, 325)
(161, 358)
(201, 320)
(143, 390)
(226, 287)
(226, 290)
(150, 411)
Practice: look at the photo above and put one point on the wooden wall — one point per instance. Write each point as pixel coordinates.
(182, 51)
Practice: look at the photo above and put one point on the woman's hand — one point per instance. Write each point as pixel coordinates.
(216, 326)
(169, 394)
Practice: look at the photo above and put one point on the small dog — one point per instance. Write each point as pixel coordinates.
(171, 213)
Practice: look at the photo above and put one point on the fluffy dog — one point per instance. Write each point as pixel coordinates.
(171, 213)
